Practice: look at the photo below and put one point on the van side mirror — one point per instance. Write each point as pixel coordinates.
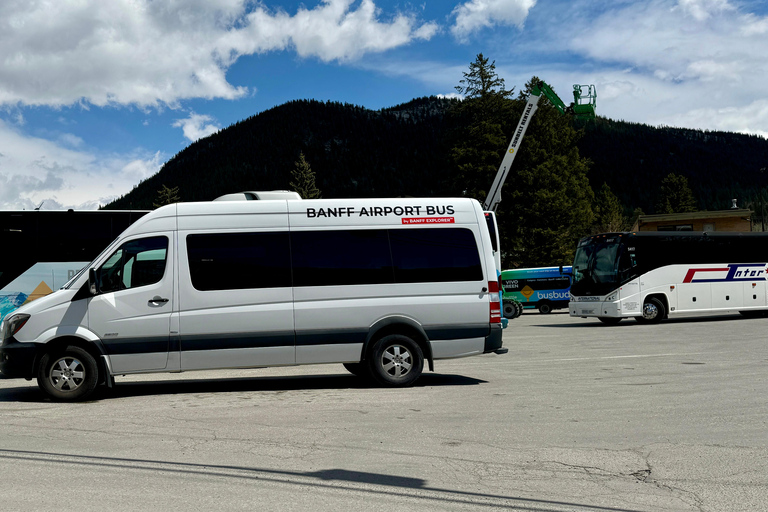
(93, 282)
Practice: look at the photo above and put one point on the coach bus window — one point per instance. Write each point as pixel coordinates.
(596, 262)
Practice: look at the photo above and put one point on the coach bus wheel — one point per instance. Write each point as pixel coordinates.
(396, 360)
(68, 375)
(607, 320)
(653, 311)
(510, 311)
(545, 308)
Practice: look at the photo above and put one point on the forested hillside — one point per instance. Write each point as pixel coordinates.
(634, 158)
(357, 152)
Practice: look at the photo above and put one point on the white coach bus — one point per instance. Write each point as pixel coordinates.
(651, 275)
(381, 285)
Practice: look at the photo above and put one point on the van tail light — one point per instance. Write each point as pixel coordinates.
(495, 303)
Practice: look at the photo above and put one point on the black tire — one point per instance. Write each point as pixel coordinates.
(653, 311)
(68, 374)
(395, 361)
(519, 307)
(510, 310)
(609, 320)
(545, 308)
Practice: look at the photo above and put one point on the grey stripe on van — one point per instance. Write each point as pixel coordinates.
(237, 340)
(148, 345)
(273, 339)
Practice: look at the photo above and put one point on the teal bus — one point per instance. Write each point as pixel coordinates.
(542, 288)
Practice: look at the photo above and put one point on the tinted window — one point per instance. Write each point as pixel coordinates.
(322, 258)
(135, 263)
(491, 221)
(435, 255)
(536, 283)
(235, 261)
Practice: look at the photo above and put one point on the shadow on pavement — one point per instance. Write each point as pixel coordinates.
(28, 393)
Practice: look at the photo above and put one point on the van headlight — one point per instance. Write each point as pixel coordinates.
(13, 324)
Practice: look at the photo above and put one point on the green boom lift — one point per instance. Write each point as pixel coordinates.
(583, 107)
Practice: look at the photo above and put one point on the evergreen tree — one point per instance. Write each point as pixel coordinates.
(609, 213)
(478, 138)
(482, 80)
(675, 196)
(303, 179)
(546, 204)
(166, 196)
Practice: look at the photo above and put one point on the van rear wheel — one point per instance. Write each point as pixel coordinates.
(68, 375)
(396, 361)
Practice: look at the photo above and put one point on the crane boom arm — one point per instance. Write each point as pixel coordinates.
(493, 198)
(582, 107)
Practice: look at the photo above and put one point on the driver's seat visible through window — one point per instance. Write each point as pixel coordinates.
(136, 263)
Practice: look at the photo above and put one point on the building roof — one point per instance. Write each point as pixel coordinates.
(704, 214)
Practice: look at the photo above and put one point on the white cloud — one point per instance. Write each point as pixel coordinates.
(689, 63)
(704, 9)
(150, 53)
(195, 127)
(35, 170)
(478, 14)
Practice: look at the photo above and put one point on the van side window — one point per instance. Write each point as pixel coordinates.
(135, 263)
(235, 261)
(342, 257)
(435, 255)
(232, 261)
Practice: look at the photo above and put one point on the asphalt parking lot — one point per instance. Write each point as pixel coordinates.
(578, 416)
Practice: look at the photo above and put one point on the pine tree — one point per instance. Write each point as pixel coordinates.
(675, 196)
(479, 136)
(609, 213)
(166, 196)
(303, 179)
(546, 201)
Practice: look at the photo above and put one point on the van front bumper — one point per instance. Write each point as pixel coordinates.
(493, 341)
(17, 360)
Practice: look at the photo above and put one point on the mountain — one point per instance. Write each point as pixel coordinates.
(402, 151)
(354, 152)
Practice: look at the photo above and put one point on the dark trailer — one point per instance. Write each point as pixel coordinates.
(29, 237)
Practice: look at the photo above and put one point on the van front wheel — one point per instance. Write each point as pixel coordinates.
(68, 375)
(396, 361)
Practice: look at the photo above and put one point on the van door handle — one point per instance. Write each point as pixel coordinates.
(156, 301)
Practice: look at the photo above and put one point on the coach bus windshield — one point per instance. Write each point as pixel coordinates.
(595, 266)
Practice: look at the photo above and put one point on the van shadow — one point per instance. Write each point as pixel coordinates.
(235, 385)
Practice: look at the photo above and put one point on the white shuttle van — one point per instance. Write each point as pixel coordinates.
(381, 285)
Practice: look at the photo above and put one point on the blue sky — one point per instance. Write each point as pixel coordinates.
(96, 95)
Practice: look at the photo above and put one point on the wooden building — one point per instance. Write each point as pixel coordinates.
(734, 219)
